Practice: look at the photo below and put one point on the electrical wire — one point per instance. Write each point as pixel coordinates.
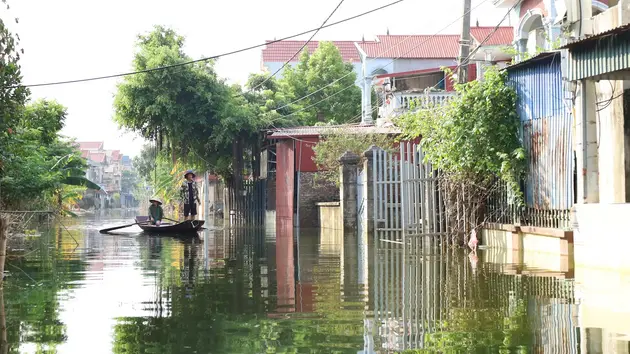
(381, 53)
(385, 51)
(207, 58)
(301, 49)
(474, 51)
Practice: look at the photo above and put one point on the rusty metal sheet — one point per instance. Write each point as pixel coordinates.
(547, 134)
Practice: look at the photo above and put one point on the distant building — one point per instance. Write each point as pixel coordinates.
(390, 55)
(105, 169)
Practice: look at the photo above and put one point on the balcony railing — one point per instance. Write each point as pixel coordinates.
(402, 102)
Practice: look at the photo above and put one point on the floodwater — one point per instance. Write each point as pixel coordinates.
(70, 289)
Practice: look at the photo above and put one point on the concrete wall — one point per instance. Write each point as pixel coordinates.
(402, 65)
(537, 247)
(311, 192)
(331, 227)
(601, 236)
(602, 275)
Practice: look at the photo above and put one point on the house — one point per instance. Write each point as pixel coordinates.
(275, 54)
(400, 68)
(113, 172)
(578, 88)
(539, 22)
(91, 146)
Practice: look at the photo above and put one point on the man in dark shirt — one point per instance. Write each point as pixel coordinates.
(190, 195)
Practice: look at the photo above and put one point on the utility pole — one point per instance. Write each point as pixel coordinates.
(464, 45)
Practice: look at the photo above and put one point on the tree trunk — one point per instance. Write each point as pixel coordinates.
(4, 344)
(4, 226)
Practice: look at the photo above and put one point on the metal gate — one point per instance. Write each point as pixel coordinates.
(408, 203)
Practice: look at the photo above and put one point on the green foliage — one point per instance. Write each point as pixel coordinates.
(144, 164)
(46, 116)
(39, 163)
(331, 146)
(325, 66)
(12, 98)
(187, 110)
(474, 137)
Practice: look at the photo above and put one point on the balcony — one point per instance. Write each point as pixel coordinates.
(401, 102)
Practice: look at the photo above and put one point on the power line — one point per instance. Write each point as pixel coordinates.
(384, 51)
(379, 55)
(208, 58)
(300, 50)
(494, 30)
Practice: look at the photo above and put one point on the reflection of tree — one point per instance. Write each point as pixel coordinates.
(225, 312)
(33, 309)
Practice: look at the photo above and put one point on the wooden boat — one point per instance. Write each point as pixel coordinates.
(185, 227)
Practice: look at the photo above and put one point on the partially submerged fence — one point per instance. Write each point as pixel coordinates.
(407, 201)
(246, 203)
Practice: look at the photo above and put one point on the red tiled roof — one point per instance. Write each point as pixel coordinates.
(502, 36)
(284, 50)
(116, 155)
(413, 47)
(85, 153)
(302, 132)
(97, 157)
(91, 145)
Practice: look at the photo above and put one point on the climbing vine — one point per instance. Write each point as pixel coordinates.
(473, 139)
(332, 146)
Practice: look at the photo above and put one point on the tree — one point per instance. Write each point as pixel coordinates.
(188, 111)
(39, 162)
(46, 116)
(340, 102)
(12, 96)
(144, 164)
(332, 146)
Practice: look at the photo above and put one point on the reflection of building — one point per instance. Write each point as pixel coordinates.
(423, 295)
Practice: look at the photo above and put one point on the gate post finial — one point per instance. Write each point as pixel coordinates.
(349, 158)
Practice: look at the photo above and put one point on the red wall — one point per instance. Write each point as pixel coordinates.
(285, 177)
(285, 172)
(304, 154)
(472, 76)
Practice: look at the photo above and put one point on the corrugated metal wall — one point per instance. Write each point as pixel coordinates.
(546, 124)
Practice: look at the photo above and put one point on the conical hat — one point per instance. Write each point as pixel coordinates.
(155, 200)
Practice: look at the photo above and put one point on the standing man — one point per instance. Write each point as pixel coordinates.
(190, 195)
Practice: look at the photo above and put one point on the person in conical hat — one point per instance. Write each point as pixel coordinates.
(190, 195)
(156, 213)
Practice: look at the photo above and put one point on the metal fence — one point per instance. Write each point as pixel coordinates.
(408, 204)
(248, 203)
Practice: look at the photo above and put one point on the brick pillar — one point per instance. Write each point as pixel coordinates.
(348, 192)
(368, 190)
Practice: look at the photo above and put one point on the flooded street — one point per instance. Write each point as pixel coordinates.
(239, 291)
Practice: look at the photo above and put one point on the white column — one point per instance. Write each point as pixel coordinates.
(612, 173)
(587, 154)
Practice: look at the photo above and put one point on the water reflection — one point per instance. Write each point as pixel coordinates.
(73, 290)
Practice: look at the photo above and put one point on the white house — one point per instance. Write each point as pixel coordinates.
(389, 54)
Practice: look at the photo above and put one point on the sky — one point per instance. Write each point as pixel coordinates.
(75, 39)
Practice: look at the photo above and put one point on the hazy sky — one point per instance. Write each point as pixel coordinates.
(73, 39)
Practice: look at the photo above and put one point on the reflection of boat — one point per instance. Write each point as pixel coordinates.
(185, 227)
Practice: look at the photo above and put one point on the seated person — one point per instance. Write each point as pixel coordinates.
(155, 212)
